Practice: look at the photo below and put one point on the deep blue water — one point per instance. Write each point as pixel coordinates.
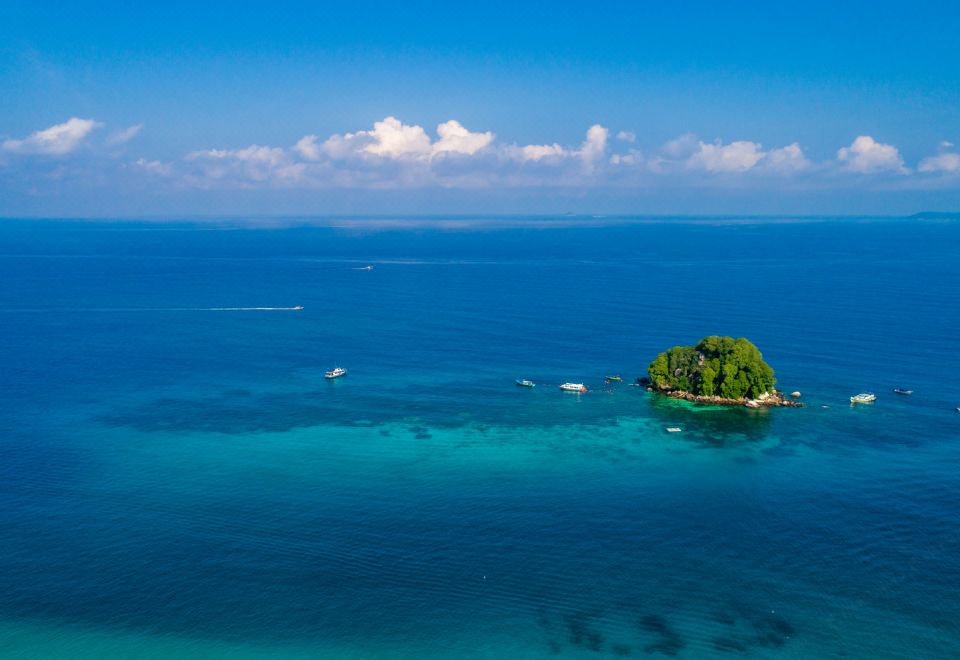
(179, 480)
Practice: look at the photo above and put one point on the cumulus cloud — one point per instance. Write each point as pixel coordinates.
(688, 153)
(681, 147)
(945, 162)
(591, 151)
(393, 154)
(392, 139)
(58, 140)
(536, 152)
(786, 159)
(594, 147)
(125, 135)
(307, 148)
(738, 156)
(865, 155)
(454, 138)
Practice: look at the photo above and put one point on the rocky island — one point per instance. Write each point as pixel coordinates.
(718, 370)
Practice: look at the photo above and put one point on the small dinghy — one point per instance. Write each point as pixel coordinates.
(900, 390)
(336, 372)
(613, 379)
(674, 429)
(523, 382)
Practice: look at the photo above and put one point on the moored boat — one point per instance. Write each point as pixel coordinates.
(900, 390)
(674, 429)
(336, 372)
(573, 387)
(864, 397)
(613, 379)
(523, 382)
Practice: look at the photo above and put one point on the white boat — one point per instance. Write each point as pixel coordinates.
(335, 373)
(573, 387)
(298, 308)
(674, 429)
(864, 397)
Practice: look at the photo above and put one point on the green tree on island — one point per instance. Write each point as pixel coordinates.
(716, 366)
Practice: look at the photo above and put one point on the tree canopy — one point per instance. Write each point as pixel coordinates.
(716, 366)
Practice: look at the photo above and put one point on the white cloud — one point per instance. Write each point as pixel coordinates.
(125, 135)
(681, 147)
(594, 147)
(738, 156)
(254, 163)
(785, 159)
(394, 139)
(308, 148)
(252, 154)
(154, 167)
(866, 155)
(591, 150)
(945, 162)
(627, 136)
(58, 140)
(537, 152)
(454, 138)
(392, 154)
(632, 157)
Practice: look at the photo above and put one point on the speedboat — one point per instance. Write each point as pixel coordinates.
(335, 373)
(674, 429)
(298, 308)
(900, 390)
(523, 382)
(865, 397)
(613, 379)
(573, 387)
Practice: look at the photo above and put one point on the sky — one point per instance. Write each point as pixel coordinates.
(306, 108)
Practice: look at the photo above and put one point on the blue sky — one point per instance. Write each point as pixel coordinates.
(301, 108)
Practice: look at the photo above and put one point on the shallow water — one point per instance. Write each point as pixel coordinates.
(179, 480)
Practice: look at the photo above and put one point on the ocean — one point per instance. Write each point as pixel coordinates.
(178, 479)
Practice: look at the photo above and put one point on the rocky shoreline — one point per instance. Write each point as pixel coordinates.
(775, 399)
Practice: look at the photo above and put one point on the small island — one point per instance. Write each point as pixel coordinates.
(718, 370)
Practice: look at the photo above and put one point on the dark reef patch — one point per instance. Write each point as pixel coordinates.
(669, 641)
(582, 633)
(241, 411)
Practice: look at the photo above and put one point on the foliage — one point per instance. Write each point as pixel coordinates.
(722, 366)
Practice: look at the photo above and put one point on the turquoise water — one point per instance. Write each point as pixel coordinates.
(180, 481)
